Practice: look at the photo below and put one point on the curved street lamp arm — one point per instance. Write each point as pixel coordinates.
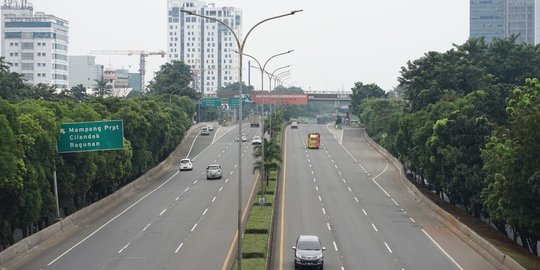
(268, 19)
(216, 20)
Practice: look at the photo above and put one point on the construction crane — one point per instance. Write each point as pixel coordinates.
(142, 56)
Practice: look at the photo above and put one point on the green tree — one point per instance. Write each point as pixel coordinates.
(362, 92)
(272, 159)
(78, 92)
(511, 167)
(102, 89)
(173, 78)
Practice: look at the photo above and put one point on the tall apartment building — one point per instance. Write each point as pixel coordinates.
(35, 44)
(204, 45)
(502, 18)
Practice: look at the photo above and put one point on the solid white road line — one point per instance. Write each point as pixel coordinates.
(443, 251)
(120, 251)
(162, 212)
(194, 226)
(147, 225)
(365, 213)
(389, 250)
(395, 202)
(111, 220)
(335, 246)
(205, 211)
(375, 228)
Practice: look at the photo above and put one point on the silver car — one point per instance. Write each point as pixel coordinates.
(308, 251)
(213, 172)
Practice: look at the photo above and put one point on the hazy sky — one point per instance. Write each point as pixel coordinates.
(336, 43)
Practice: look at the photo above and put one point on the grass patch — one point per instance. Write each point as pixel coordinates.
(259, 218)
(252, 264)
(254, 243)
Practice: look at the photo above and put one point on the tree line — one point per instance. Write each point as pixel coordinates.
(30, 119)
(465, 123)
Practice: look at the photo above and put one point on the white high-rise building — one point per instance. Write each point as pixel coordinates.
(204, 45)
(35, 44)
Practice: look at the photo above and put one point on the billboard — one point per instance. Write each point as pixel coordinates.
(284, 99)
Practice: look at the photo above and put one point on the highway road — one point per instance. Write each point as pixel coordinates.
(352, 198)
(182, 221)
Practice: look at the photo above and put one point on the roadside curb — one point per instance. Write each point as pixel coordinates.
(489, 251)
(69, 224)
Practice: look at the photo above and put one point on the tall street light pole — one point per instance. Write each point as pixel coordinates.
(240, 44)
(270, 76)
(261, 118)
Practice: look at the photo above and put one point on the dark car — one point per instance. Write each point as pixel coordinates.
(308, 252)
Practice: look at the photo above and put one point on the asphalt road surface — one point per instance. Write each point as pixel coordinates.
(182, 221)
(352, 198)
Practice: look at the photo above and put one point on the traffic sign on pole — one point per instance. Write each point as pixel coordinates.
(234, 102)
(91, 136)
(211, 102)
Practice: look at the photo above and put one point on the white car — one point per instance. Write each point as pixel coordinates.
(244, 138)
(256, 140)
(186, 164)
(210, 127)
(205, 131)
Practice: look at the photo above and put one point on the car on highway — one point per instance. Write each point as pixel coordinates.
(244, 137)
(256, 140)
(213, 171)
(205, 131)
(210, 127)
(294, 125)
(308, 251)
(185, 164)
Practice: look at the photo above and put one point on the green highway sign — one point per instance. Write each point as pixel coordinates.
(211, 102)
(91, 136)
(234, 102)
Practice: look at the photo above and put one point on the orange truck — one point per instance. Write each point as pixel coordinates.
(314, 140)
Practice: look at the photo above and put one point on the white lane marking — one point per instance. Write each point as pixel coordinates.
(317, 188)
(312, 172)
(389, 250)
(214, 199)
(335, 246)
(324, 211)
(314, 180)
(386, 167)
(179, 247)
(437, 244)
(231, 173)
(349, 189)
(236, 166)
(333, 161)
(147, 225)
(375, 228)
(185, 190)
(111, 220)
(344, 181)
(373, 179)
(219, 156)
(120, 251)
(162, 212)
(177, 198)
(308, 160)
(412, 219)
(205, 211)
(226, 180)
(328, 225)
(356, 199)
(339, 173)
(395, 202)
(335, 165)
(195, 182)
(320, 199)
(365, 213)
(220, 189)
(194, 226)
